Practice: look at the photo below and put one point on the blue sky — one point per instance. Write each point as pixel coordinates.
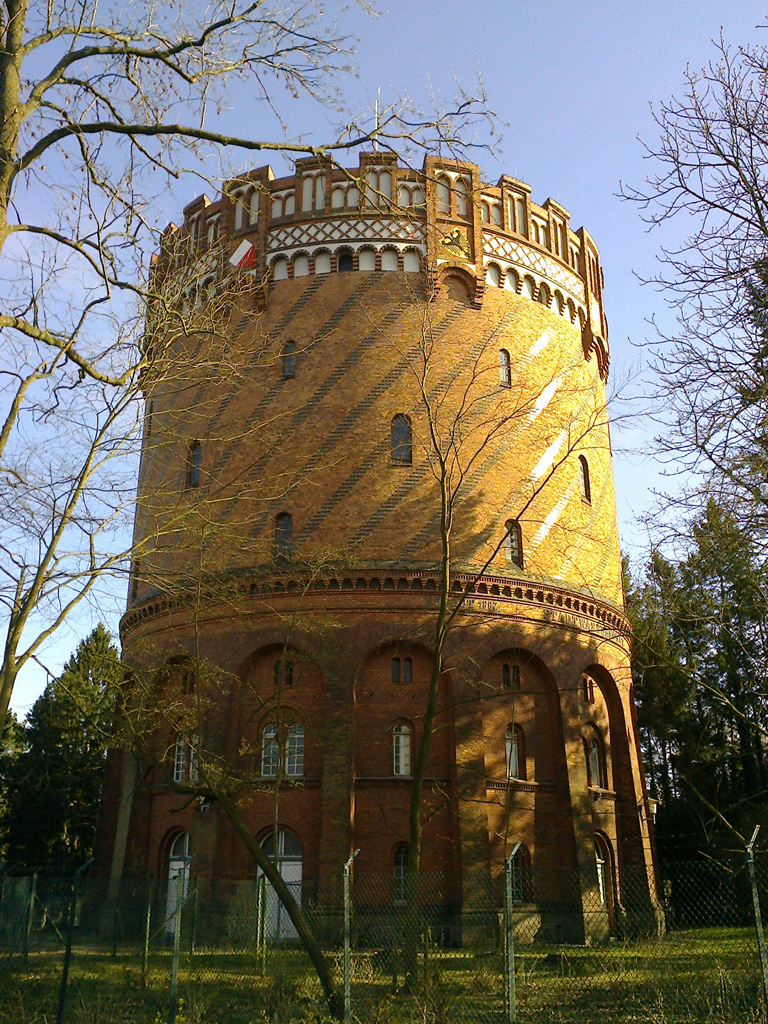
(574, 81)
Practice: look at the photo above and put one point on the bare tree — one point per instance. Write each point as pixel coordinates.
(103, 108)
(709, 183)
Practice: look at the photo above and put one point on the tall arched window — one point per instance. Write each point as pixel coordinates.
(514, 752)
(522, 887)
(401, 749)
(584, 484)
(253, 207)
(443, 195)
(594, 755)
(407, 671)
(401, 440)
(505, 368)
(513, 542)
(194, 461)
(400, 874)
(289, 359)
(510, 677)
(462, 206)
(270, 751)
(283, 673)
(294, 750)
(284, 535)
(396, 671)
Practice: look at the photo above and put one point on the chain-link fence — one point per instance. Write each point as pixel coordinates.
(227, 951)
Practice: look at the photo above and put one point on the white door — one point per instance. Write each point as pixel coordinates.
(278, 925)
(178, 865)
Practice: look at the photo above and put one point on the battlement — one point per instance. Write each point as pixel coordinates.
(441, 221)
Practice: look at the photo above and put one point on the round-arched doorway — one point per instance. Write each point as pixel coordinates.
(286, 853)
(178, 878)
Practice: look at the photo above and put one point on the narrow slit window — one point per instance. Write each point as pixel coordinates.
(396, 671)
(407, 671)
(194, 462)
(584, 483)
(401, 440)
(289, 359)
(513, 542)
(505, 368)
(284, 535)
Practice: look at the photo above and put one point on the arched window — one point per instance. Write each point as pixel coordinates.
(407, 671)
(366, 259)
(544, 297)
(417, 197)
(492, 275)
(253, 207)
(284, 535)
(194, 461)
(514, 752)
(462, 207)
(178, 878)
(401, 440)
(238, 202)
(337, 199)
(588, 689)
(307, 192)
(301, 266)
(595, 760)
(396, 671)
(510, 677)
(283, 672)
(289, 359)
(280, 269)
(528, 287)
(513, 542)
(505, 368)
(180, 759)
(270, 751)
(584, 485)
(323, 263)
(345, 262)
(401, 749)
(277, 207)
(411, 264)
(388, 260)
(496, 215)
(385, 185)
(400, 874)
(294, 750)
(443, 195)
(289, 205)
(522, 887)
(511, 281)
(522, 219)
(604, 866)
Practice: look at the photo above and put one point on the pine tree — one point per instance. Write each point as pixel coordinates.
(53, 779)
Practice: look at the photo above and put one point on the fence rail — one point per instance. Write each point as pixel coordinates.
(226, 952)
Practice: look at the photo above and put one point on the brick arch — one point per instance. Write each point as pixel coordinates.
(628, 788)
(527, 817)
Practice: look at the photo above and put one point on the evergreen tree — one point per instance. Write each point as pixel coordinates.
(700, 666)
(52, 779)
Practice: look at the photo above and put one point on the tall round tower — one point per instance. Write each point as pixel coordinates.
(388, 383)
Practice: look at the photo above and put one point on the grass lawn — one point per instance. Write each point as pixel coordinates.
(698, 975)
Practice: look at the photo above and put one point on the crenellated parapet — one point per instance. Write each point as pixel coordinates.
(442, 222)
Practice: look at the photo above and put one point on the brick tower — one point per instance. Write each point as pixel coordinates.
(367, 329)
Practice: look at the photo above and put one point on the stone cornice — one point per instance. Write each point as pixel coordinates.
(488, 596)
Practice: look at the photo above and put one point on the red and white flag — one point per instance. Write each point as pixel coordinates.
(244, 256)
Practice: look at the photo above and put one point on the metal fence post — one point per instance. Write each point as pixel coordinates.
(347, 941)
(147, 931)
(181, 878)
(758, 917)
(70, 930)
(30, 911)
(509, 936)
(261, 921)
(193, 930)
